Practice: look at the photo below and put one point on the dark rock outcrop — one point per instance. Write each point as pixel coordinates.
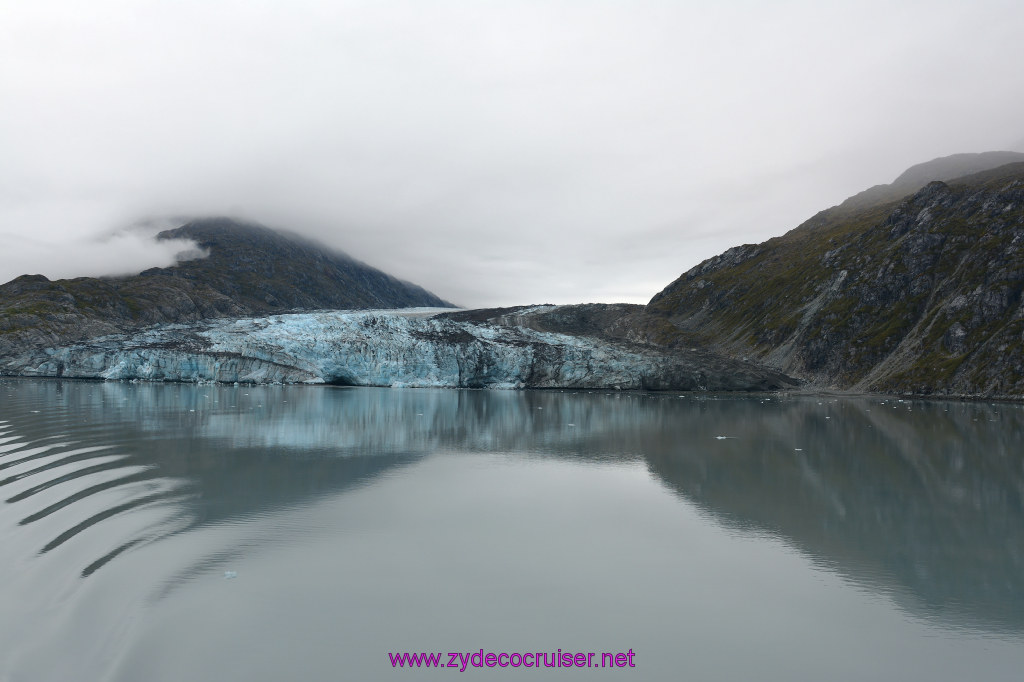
(922, 295)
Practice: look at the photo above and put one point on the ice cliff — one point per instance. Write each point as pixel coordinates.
(384, 348)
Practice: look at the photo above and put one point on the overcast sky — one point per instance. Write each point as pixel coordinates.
(496, 152)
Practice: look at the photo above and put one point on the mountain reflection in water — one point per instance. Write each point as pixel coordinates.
(922, 502)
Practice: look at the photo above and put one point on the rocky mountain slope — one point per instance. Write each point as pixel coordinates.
(919, 295)
(944, 169)
(249, 270)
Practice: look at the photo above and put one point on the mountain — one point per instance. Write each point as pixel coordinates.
(920, 295)
(213, 319)
(249, 270)
(267, 271)
(944, 168)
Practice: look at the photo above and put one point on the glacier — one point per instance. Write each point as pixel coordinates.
(403, 348)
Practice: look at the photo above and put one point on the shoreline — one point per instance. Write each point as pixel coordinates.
(787, 393)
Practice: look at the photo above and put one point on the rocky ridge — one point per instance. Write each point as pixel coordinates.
(919, 296)
(944, 169)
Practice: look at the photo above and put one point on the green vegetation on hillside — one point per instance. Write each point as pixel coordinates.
(920, 296)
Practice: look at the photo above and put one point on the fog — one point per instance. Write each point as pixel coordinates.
(493, 152)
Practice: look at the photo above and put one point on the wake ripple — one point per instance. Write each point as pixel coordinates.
(60, 493)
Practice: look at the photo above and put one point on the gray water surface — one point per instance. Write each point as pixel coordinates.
(179, 532)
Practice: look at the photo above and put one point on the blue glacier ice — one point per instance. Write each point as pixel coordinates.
(378, 348)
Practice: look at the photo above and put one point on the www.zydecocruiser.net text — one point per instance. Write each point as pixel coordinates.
(463, 660)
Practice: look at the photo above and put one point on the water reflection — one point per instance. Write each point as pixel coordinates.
(920, 501)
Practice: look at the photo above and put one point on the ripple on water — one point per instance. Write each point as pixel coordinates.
(65, 489)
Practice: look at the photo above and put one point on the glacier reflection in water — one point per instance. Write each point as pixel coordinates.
(168, 532)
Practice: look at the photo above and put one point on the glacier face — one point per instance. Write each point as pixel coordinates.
(382, 348)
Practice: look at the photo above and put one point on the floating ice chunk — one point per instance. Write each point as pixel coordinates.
(724, 437)
(228, 575)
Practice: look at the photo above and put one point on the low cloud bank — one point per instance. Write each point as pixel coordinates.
(127, 252)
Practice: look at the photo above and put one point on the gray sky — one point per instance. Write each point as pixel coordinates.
(495, 152)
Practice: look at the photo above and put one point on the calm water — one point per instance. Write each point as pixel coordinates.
(171, 532)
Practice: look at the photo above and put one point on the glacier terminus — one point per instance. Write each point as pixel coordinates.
(399, 348)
